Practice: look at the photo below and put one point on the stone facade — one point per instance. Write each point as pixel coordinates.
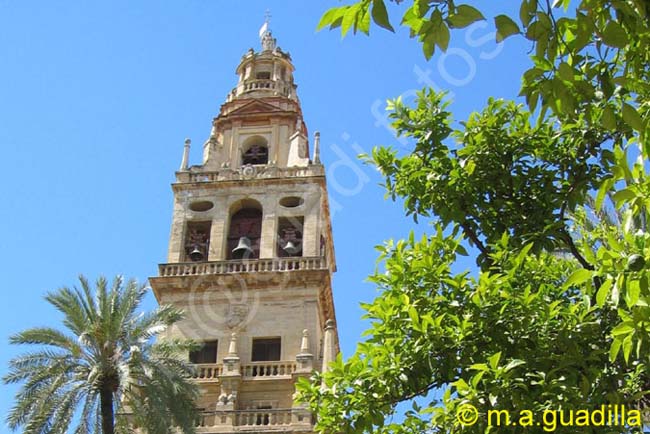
(251, 255)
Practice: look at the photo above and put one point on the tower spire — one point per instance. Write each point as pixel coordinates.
(266, 38)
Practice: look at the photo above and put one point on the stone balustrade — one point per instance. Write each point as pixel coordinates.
(281, 87)
(271, 417)
(250, 172)
(245, 418)
(243, 266)
(268, 369)
(207, 371)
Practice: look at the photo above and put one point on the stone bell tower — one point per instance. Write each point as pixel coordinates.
(251, 256)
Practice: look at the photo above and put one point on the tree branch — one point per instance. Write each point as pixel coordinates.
(574, 250)
(412, 395)
(475, 239)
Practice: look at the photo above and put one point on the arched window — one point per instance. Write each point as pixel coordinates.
(197, 241)
(256, 151)
(290, 236)
(244, 233)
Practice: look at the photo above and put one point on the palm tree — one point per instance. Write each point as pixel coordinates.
(105, 373)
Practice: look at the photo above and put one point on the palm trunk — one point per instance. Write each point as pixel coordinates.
(108, 418)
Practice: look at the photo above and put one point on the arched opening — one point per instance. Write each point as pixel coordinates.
(245, 231)
(197, 241)
(256, 151)
(290, 236)
(263, 75)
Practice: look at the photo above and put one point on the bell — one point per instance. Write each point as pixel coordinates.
(196, 254)
(243, 248)
(291, 247)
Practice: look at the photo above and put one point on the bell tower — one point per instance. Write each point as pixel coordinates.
(251, 256)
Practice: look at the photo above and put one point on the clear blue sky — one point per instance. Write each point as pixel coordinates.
(96, 99)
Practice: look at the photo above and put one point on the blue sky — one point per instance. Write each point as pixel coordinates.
(96, 99)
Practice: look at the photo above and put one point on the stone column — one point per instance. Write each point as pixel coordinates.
(305, 358)
(300, 414)
(235, 153)
(316, 159)
(230, 377)
(175, 252)
(310, 237)
(274, 143)
(269, 229)
(217, 235)
(186, 154)
(329, 353)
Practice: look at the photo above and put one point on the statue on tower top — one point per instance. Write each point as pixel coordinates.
(267, 39)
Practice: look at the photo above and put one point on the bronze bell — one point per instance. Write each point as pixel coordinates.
(243, 248)
(196, 254)
(291, 247)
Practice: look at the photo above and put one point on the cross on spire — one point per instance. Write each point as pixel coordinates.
(268, 42)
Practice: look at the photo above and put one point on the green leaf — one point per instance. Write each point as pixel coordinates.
(603, 292)
(461, 386)
(505, 27)
(565, 71)
(479, 367)
(632, 293)
(584, 31)
(622, 196)
(513, 364)
(609, 118)
(363, 23)
(604, 188)
(578, 277)
(464, 16)
(429, 46)
(627, 348)
(442, 36)
(537, 32)
(331, 17)
(632, 117)
(614, 35)
(526, 12)
(380, 15)
(625, 328)
(614, 349)
(494, 360)
(350, 18)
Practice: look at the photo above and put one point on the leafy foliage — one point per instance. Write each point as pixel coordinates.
(104, 369)
(554, 196)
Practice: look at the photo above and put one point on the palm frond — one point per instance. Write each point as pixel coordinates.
(46, 336)
(110, 346)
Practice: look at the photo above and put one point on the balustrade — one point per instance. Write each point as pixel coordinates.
(207, 372)
(242, 266)
(268, 369)
(255, 172)
(270, 417)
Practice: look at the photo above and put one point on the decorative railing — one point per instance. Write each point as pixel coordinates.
(246, 418)
(271, 417)
(268, 369)
(207, 372)
(263, 84)
(243, 266)
(250, 172)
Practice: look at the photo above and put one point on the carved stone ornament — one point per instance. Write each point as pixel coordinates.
(248, 171)
(236, 314)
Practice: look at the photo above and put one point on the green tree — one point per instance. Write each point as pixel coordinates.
(558, 317)
(104, 372)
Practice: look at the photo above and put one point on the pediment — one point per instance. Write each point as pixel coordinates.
(255, 106)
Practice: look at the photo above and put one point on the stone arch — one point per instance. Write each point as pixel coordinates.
(244, 230)
(255, 150)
